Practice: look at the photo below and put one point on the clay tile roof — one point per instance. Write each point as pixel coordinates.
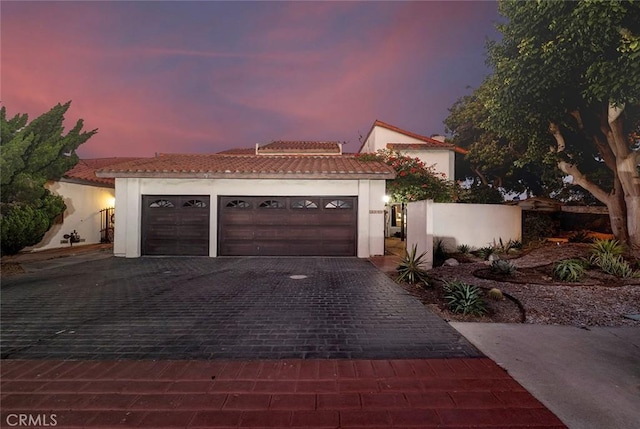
(250, 166)
(417, 146)
(85, 170)
(301, 147)
(243, 151)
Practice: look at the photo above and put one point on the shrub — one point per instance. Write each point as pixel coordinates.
(484, 252)
(464, 248)
(439, 252)
(536, 226)
(502, 266)
(464, 298)
(410, 269)
(613, 247)
(569, 270)
(502, 247)
(615, 265)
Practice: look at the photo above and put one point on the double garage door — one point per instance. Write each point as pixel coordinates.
(251, 226)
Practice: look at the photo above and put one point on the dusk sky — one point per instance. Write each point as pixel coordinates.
(201, 77)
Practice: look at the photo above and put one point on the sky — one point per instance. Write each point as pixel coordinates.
(202, 77)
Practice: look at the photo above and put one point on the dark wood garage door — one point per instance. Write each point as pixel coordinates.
(175, 225)
(287, 226)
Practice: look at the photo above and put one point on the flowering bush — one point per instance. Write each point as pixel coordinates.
(415, 181)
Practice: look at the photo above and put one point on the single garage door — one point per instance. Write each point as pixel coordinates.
(175, 225)
(287, 226)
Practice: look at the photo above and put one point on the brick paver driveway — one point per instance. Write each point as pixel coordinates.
(222, 308)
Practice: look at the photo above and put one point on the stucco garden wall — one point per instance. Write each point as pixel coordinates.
(476, 225)
(84, 203)
(129, 211)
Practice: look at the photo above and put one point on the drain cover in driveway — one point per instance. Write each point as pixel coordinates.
(298, 276)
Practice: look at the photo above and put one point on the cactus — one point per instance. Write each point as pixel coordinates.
(495, 294)
(502, 266)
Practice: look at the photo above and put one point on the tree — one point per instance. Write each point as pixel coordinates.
(31, 154)
(490, 161)
(414, 180)
(567, 76)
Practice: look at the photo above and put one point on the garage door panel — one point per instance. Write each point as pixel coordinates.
(286, 226)
(175, 225)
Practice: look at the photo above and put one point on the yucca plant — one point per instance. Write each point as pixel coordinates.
(464, 248)
(502, 266)
(464, 298)
(411, 268)
(569, 270)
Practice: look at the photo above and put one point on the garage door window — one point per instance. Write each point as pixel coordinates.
(304, 204)
(271, 204)
(338, 204)
(167, 204)
(239, 204)
(195, 203)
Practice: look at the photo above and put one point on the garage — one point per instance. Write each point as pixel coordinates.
(175, 225)
(287, 226)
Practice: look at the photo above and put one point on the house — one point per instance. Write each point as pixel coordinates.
(285, 198)
(432, 151)
(89, 200)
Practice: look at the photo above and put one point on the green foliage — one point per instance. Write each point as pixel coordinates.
(415, 181)
(464, 298)
(31, 154)
(411, 268)
(536, 226)
(502, 266)
(495, 294)
(484, 252)
(569, 270)
(464, 248)
(561, 66)
(614, 264)
(439, 252)
(502, 247)
(480, 194)
(612, 247)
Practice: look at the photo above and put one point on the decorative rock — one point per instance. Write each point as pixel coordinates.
(492, 258)
(451, 262)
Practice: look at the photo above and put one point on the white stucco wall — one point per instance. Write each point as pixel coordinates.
(129, 212)
(442, 160)
(476, 225)
(84, 203)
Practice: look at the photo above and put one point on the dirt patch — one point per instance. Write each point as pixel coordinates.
(11, 268)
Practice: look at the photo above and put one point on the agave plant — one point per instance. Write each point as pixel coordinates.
(464, 248)
(613, 247)
(502, 266)
(411, 268)
(615, 265)
(464, 298)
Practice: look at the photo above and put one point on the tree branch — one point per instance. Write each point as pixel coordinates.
(582, 181)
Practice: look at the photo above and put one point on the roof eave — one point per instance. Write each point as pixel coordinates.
(248, 175)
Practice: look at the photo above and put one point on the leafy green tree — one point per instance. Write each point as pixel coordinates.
(414, 180)
(567, 77)
(31, 154)
(490, 161)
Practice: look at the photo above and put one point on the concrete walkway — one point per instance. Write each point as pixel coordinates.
(590, 378)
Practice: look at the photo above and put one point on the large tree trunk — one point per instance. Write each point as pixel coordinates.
(614, 200)
(627, 172)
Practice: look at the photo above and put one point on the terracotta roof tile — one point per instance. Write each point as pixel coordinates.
(85, 169)
(416, 146)
(282, 146)
(250, 166)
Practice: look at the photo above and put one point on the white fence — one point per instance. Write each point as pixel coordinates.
(476, 225)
